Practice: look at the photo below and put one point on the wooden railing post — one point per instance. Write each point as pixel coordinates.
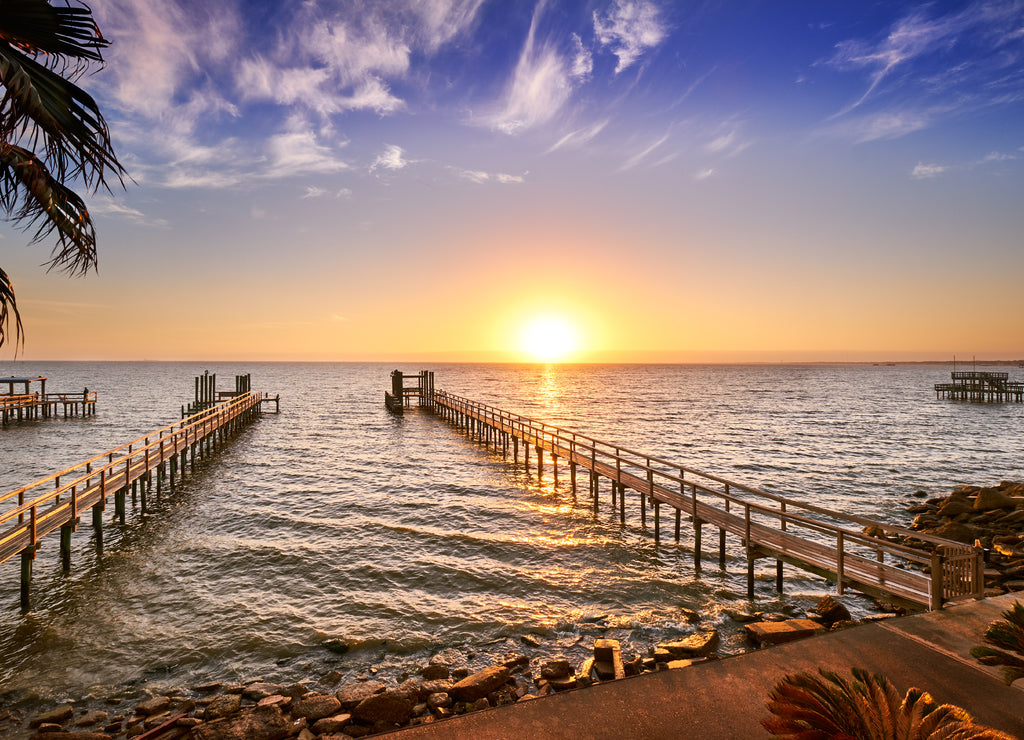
(839, 562)
(937, 585)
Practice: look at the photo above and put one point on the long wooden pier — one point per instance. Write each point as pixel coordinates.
(854, 552)
(162, 456)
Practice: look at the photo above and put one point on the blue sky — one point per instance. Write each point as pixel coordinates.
(798, 180)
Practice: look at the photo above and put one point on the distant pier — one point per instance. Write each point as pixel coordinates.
(852, 551)
(980, 387)
(38, 404)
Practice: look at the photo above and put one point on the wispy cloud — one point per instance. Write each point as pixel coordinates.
(640, 156)
(930, 65)
(539, 87)
(582, 59)
(704, 174)
(108, 206)
(480, 177)
(923, 171)
(392, 158)
(580, 136)
(628, 29)
(298, 150)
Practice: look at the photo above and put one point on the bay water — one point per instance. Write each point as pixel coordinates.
(400, 537)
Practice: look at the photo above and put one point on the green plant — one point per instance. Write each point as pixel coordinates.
(809, 707)
(1006, 633)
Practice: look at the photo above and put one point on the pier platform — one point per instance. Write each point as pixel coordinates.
(726, 698)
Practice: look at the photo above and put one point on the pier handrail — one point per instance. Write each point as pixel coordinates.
(620, 454)
(194, 426)
(851, 550)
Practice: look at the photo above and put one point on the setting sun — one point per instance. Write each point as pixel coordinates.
(548, 339)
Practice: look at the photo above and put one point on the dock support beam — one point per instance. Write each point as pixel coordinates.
(65, 544)
(27, 556)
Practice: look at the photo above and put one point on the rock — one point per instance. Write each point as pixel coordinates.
(741, 616)
(954, 506)
(315, 706)
(774, 633)
(254, 723)
(388, 706)
(434, 687)
(992, 498)
(956, 531)
(608, 660)
(188, 722)
(206, 688)
(352, 694)
(91, 718)
(261, 690)
(479, 704)
(562, 683)
(155, 720)
(926, 521)
(57, 716)
(412, 688)
(480, 684)
(435, 671)
(556, 668)
(918, 509)
(335, 723)
(222, 706)
(294, 691)
(832, 611)
(514, 662)
(280, 699)
(674, 664)
(530, 640)
(699, 643)
(873, 530)
(156, 705)
(438, 700)
(330, 679)
(336, 646)
(689, 615)
(77, 735)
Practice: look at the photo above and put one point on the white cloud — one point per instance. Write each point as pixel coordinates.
(579, 137)
(476, 176)
(927, 171)
(107, 205)
(885, 125)
(704, 174)
(629, 28)
(313, 192)
(480, 177)
(509, 179)
(582, 60)
(540, 85)
(640, 156)
(392, 158)
(299, 151)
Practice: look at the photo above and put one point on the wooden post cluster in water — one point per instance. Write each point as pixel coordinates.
(398, 397)
(806, 536)
(142, 467)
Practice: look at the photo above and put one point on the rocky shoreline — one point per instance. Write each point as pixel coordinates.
(327, 708)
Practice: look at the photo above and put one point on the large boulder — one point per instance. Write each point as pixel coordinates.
(699, 644)
(956, 531)
(390, 706)
(992, 498)
(955, 505)
(315, 706)
(480, 684)
(222, 706)
(831, 611)
(57, 716)
(351, 694)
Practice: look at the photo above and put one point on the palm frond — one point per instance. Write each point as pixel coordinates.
(51, 114)
(8, 311)
(28, 192)
(1008, 632)
(868, 708)
(61, 31)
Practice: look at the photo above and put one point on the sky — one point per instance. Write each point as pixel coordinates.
(667, 181)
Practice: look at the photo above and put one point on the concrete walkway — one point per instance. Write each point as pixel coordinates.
(726, 698)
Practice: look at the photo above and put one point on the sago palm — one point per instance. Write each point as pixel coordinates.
(51, 132)
(809, 707)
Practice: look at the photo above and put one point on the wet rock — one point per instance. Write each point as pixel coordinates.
(339, 647)
(389, 706)
(435, 671)
(956, 505)
(254, 723)
(334, 723)
(992, 498)
(351, 694)
(832, 611)
(294, 691)
(315, 706)
(330, 679)
(515, 662)
(480, 684)
(273, 699)
(740, 616)
(434, 687)
(156, 705)
(530, 640)
(699, 643)
(555, 668)
(57, 716)
(261, 690)
(412, 689)
(774, 633)
(91, 718)
(956, 531)
(222, 706)
(439, 700)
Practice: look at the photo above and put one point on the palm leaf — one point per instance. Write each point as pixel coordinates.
(52, 113)
(28, 192)
(1008, 632)
(805, 706)
(9, 310)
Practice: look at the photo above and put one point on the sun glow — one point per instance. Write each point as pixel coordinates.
(549, 339)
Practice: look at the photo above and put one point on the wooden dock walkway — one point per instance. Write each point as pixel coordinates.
(57, 501)
(854, 552)
(40, 404)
